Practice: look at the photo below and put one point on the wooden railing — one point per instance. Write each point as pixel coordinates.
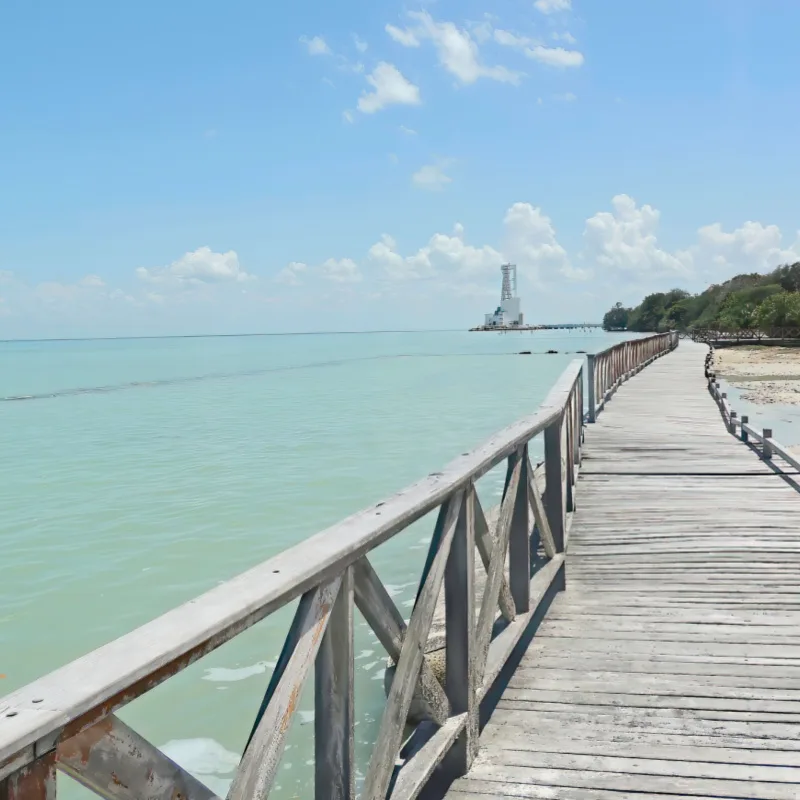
(608, 369)
(739, 425)
(66, 721)
(711, 335)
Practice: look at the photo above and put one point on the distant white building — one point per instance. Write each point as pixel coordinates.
(509, 312)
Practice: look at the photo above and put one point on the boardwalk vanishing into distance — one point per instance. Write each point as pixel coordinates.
(623, 627)
(671, 663)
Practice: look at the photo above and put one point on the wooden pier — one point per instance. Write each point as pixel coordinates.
(623, 627)
(670, 666)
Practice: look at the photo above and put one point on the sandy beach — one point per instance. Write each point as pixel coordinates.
(766, 375)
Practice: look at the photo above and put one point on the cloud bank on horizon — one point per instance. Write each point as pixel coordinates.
(399, 134)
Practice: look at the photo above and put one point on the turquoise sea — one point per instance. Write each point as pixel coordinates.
(136, 474)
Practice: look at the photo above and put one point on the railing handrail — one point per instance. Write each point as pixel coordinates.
(205, 622)
(614, 365)
(739, 425)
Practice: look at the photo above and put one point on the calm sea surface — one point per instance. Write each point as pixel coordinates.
(136, 474)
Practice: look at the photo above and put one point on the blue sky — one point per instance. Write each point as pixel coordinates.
(239, 167)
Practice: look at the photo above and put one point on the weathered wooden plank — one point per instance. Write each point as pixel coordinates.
(334, 768)
(519, 535)
(587, 719)
(496, 567)
(554, 504)
(390, 733)
(461, 675)
(485, 543)
(645, 746)
(387, 622)
(672, 700)
(540, 517)
(256, 772)
(117, 763)
(505, 642)
(506, 791)
(651, 766)
(35, 781)
(741, 790)
(415, 773)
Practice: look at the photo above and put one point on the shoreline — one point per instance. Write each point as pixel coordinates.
(765, 375)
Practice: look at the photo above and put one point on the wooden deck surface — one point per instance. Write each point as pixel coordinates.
(670, 667)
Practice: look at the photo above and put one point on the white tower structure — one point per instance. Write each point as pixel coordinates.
(509, 289)
(509, 312)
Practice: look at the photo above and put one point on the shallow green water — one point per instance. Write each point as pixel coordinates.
(141, 473)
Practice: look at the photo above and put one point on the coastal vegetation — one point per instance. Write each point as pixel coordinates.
(746, 302)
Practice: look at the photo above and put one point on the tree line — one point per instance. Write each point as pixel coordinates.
(746, 302)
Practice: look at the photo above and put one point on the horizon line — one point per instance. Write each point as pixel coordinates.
(218, 335)
(235, 335)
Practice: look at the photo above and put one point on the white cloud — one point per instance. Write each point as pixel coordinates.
(457, 51)
(432, 177)
(566, 36)
(445, 255)
(482, 31)
(390, 87)
(316, 46)
(359, 43)
(198, 267)
(536, 51)
(530, 242)
(624, 241)
(751, 247)
(552, 6)
(555, 56)
(408, 131)
(347, 116)
(393, 159)
(407, 38)
(344, 270)
(290, 274)
(92, 280)
(567, 97)
(346, 65)
(6, 276)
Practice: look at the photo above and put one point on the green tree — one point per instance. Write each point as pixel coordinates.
(788, 276)
(679, 315)
(778, 311)
(738, 309)
(616, 319)
(648, 315)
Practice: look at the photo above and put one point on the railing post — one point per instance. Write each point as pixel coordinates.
(334, 714)
(459, 595)
(745, 421)
(732, 427)
(554, 489)
(766, 450)
(590, 381)
(519, 540)
(37, 781)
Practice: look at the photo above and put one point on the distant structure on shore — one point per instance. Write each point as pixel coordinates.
(508, 315)
(509, 312)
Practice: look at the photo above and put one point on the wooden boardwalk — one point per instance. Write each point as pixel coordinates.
(670, 666)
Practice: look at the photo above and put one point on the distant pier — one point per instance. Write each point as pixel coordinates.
(562, 327)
